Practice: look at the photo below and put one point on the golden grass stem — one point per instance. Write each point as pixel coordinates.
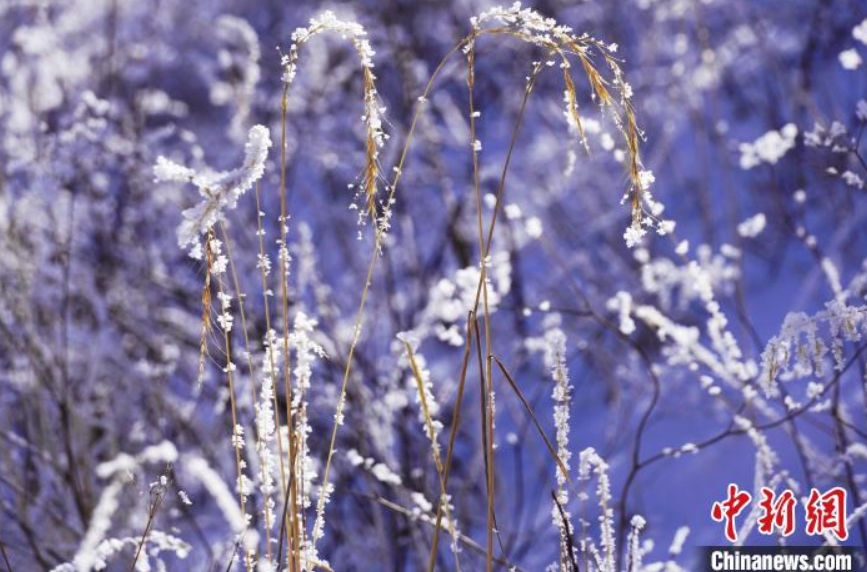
(227, 341)
(294, 553)
(249, 355)
(273, 367)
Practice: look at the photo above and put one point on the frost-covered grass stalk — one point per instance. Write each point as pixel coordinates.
(374, 140)
(590, 465)
(555, 360)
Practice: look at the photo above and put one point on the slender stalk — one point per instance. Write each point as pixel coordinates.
(251, 367)
(487, 399)
(5, 556)
(227, 341)
(273, 366)
(291, 489)
(553, 452)
(456, 418)
(443, 504)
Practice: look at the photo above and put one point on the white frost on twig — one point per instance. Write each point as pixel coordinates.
(220, 191)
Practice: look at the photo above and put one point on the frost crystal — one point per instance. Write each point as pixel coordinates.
(753, 226)
(633, 235)
(859, 32)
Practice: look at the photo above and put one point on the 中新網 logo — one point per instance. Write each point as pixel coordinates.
(825, 513)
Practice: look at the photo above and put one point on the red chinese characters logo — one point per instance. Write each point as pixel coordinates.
(825, 513)
(728, 509)
(777, 512)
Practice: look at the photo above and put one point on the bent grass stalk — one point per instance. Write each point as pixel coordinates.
(357, 35)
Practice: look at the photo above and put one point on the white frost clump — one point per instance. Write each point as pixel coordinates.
(859, 32)
(450, 299)
(622, 304)
(769, 148)
(679, 538)
(651, 210)
(533, 227)
(850, 59)
(633, 235)
(852, 179)
(220, 191)
(753, 226)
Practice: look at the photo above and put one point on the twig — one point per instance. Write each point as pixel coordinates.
(158, 492)
(560, 465)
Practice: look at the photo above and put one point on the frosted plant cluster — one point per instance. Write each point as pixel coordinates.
(485, 376)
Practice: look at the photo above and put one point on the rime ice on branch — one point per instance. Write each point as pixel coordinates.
(220, 191)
